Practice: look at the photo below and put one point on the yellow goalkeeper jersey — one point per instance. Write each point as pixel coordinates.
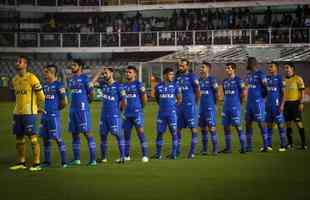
(293, 85)
(29, 94)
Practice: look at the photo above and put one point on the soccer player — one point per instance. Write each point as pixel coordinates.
(187, 110)
(294, 105)
(136, 100)
(29, 102)
(79, 114)
(207, 110)
(55, 100)
(256, 82)
(234, 93)
(274, 105)
(168, 95)
(113, 103)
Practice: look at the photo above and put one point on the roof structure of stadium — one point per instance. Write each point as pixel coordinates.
(226, 54)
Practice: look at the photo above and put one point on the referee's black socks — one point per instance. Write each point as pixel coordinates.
(302, 136)
(289, 132)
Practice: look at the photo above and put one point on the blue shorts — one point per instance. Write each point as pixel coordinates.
(208, 118)
(111, 124)
(50, 127)
(130, 121)
(187, 117)
(273, 115)
(231, 116)
(79, 121)
(167, 120)
(255, 111)
(24, 125)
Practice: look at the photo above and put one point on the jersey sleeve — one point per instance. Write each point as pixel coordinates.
(241, 85)
(300, 83)
(214, 84)
(61, 91)
(88, 85)
(194, 81)
(263, 78)
(122, 92)
(35, 83)
(177, 90)
(141, 88)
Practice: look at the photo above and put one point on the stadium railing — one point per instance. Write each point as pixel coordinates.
(156, 39)
(104, 2)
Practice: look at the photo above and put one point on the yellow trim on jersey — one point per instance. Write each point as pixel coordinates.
(292, 87)
(29, 94)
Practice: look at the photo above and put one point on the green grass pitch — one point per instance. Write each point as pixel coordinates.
(255, 175)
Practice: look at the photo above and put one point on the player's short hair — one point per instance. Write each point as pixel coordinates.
(207, 64)
(131, 67)
(185, 60)
(291, 65)
(252, 61)
(167, 70)
(232, 65)
(52, 68)
(110, 69)
(24, 57)
(274, 63)
(79, 62)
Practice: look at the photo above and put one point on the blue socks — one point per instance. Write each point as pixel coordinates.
(91, 148)
(249, 134)
(179, 135)
(193, 143)
(269, 138)
(143, 144)
(103, 145)
(242, 139)
(282, 137)
(127, 135)
(76, 145)
(227, 140)
(204, 138)
(62, 150)
(47, 151)
(214, 142)
(159, 144)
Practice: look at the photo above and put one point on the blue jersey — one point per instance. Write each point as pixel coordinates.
(134, 91)
(256, 82)
(188, 83)
(274, 90)
(208, 88)
(232, 91)
(166, 94)
(111, 98)
(54, 92)
(80, 88)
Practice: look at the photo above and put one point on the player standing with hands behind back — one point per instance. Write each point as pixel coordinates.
(187, 110)
(29, 102)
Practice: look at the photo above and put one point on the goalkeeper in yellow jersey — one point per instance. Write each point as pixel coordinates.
(29, 103)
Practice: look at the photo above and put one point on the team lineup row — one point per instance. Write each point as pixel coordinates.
(184, 101)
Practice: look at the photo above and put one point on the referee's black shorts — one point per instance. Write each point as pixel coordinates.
(291, 111)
